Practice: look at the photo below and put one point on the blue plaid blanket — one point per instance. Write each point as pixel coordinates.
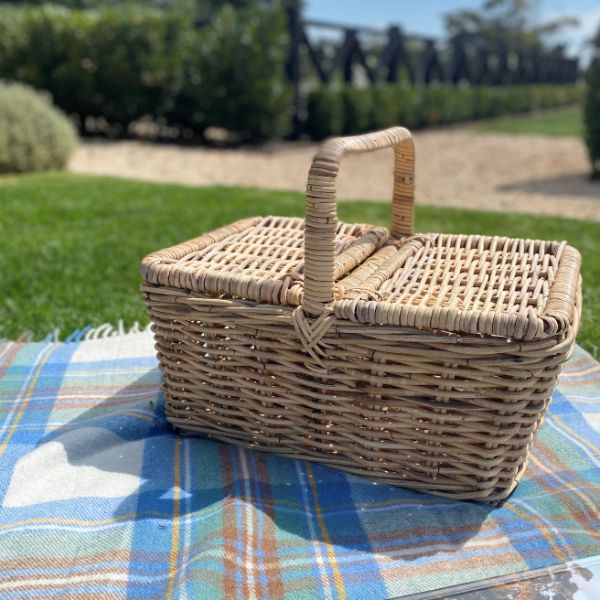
(98, 497)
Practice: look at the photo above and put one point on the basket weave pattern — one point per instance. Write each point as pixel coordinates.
(424, 361)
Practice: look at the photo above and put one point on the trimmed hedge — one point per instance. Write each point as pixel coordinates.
(121, 63)
(345, 110)
(112, 63)
(34, 134)
(592, 116)
(233, 75)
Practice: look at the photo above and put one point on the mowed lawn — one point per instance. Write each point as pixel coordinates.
(71, 245)
(566, 121)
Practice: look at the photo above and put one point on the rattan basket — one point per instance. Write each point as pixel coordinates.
(425, 361)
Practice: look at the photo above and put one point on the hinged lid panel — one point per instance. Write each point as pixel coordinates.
(514, 288)
(258, 259)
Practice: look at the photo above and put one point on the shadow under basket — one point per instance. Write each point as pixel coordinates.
(426, 361)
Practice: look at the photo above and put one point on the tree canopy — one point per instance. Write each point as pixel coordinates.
(508, 22)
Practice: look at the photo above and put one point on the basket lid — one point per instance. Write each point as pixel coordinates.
(513, 288)
(259, 259)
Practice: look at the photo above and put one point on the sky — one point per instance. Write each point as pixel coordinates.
(426, 16)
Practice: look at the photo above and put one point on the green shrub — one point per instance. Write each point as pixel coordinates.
(342, 110)
(592, 116)
(34, 135)
(442, 105)
(356, 110)
(410, 106)
(115, 63)
(233, 75)
(485, 102)
(324, 114)
(121, 62)
(384, 106)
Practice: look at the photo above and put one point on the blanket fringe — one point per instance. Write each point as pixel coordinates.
(104, 331)
(107, 330)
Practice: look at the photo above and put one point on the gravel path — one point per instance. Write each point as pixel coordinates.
(525, 173)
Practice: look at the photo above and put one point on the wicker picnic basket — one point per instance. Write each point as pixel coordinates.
(424, 361)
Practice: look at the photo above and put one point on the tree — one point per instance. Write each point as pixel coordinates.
(508, 22)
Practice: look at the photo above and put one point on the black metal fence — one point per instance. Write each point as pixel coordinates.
(365, 56)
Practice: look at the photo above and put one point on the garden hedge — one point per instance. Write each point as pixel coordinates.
(118, 63)
(233, 75)
(344, 110)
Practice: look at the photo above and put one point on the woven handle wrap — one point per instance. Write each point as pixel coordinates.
(321, 218)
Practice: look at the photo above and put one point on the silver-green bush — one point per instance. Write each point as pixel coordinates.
(34, 134)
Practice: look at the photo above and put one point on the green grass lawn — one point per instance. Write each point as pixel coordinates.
(562, 121)
(71, 244)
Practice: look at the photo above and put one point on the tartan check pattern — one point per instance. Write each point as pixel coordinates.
(98, 497)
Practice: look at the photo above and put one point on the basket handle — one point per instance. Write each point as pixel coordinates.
(321, 216)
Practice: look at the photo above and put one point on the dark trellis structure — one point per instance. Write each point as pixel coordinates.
(368, 56)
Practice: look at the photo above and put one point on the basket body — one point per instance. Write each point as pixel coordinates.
(426, 361)
(440, 413)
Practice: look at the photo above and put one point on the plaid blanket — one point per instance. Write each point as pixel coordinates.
(98, 498)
